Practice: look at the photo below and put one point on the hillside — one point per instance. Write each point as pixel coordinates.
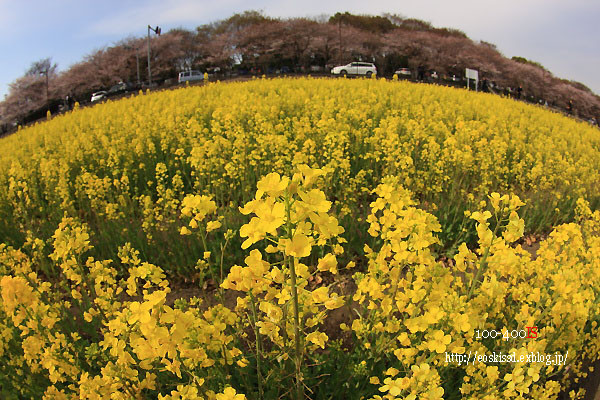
(254, 43)
(442, 143)
(282, 239)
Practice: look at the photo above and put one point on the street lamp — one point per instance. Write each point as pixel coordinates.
(157, 31)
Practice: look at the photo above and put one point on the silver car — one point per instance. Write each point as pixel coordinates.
(190, 76)
(355, 68)
(403, 72)
(98, 96)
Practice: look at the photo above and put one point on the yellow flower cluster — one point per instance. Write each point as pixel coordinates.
(294, 217)
(421, 309)
(124, 167)
(314, 182)
(76, 339)
(93, 346)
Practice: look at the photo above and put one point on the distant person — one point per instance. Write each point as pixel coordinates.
(570, 107)
(519, 92)
(421, 73)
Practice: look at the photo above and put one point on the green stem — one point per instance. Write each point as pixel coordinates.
(296, 321)
(298, 343)
(257, 340)
(482, 263)
(203, 235)
(223, 247)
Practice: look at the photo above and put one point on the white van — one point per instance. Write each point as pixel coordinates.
(190, 76)
(356, 68)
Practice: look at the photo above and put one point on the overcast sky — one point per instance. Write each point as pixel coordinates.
(564, 36)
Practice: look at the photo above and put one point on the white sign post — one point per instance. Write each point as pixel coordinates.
(472, 74)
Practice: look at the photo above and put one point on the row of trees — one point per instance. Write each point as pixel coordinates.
(252, 40)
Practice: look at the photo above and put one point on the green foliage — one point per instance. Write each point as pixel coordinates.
(523, 60)
(369, 23)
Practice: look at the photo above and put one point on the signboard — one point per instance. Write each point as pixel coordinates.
(472, 74)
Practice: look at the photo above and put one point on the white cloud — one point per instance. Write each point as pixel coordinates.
(173, 12)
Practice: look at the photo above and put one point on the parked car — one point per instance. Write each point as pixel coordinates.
(190, 76)
(119, 88)
(98, 96)
(403, 71)
(355, 68)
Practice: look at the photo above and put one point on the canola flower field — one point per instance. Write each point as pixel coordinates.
(356, 232)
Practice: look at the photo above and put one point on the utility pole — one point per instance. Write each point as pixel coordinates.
(157, 31)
